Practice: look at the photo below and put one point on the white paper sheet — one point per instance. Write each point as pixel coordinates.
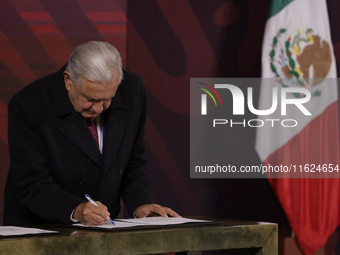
(162, 221)
(17, 231)
(109, 225)
(151, 221)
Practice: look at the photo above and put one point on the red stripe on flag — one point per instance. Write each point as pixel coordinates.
(311, 205)
(106, 16)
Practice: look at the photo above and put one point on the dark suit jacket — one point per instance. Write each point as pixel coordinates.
(54, 159)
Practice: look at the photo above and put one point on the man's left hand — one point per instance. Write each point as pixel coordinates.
(154, 210)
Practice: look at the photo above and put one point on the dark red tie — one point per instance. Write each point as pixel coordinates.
(91, 123)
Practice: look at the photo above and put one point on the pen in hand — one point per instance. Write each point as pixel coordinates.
(94, 203)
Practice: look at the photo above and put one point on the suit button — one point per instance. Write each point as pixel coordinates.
(121, 171)
(79, 180)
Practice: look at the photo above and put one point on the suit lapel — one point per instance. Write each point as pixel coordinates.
(71, 123)
(115, 121)
(75, 128)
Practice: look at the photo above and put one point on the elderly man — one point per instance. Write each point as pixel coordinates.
(78, 131)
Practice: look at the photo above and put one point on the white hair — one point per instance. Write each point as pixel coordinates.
(95, 61)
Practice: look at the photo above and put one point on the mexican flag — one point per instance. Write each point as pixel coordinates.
(297, 52)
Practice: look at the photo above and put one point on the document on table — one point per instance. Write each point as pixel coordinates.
(162, 221)
(109, 225)
(148, 221)
(18, 231)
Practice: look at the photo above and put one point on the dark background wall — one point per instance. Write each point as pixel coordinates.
(167, 43)
(196, 39)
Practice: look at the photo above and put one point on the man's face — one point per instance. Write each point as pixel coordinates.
(89, 98)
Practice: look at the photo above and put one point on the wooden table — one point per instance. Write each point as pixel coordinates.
(256, 238)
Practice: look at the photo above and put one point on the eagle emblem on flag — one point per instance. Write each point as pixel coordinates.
(300, 60)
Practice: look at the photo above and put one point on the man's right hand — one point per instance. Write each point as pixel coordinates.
(89, 214)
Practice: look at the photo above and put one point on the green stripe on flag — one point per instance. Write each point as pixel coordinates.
(276, 6)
